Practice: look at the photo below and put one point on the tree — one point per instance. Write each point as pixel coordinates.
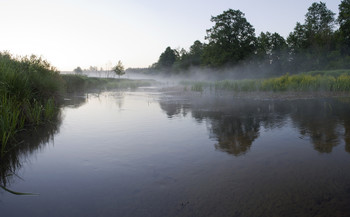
(320, 24)
(312, 43)
(270, 45)
(271, 50)
(344, 24)
(231, 39)
(195, 53)
(297, 40)
(167, 58)
(187, 59)
(78, 70)
(319, 19)
(119, 69)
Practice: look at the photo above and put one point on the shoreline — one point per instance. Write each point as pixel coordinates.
(254, 95)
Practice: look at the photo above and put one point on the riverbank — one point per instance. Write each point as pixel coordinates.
(81, 83)
(183, 91)
(311, 83)
(29, 89)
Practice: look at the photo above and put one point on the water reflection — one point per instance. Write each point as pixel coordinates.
(235, 123)
(320, 121)
(75, 101)
(32, 141)
(235, 135)
(122, 148)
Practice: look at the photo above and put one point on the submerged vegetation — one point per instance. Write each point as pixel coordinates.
(338, 80)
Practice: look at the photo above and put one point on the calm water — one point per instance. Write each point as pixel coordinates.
(147, 153)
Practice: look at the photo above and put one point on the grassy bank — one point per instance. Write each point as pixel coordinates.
(29, 87)
(311, 81)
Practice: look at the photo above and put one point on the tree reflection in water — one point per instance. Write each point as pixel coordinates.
(235, 123)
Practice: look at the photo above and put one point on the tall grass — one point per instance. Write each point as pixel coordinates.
(29, 87)
(301, 82)
(11, 120)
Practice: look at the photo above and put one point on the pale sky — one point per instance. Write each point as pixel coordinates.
(71, 33)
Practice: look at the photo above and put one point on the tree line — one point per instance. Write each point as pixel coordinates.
(322, 42)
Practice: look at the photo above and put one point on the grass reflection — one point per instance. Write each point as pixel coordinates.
(31, 141)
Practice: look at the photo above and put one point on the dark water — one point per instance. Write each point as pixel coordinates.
(147, 153)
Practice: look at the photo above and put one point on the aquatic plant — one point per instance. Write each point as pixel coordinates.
(28, 89)
(198, 86)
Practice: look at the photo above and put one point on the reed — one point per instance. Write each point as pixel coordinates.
(29, 87)
(300, 82)
(11, 120)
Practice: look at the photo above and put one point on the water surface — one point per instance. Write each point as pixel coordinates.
(148, 153)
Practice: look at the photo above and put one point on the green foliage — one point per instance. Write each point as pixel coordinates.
(167, 59)
(344, 22)
(314, 44)
(334, 73)
(319, 19)
(119, 69)
(231, 39)
(271, 52)
(28, 89)
(191, 58)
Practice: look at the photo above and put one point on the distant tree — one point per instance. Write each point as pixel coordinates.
(187, 59)
(78, 70)
(319, 19)
(119, 69)
(271, 51)
(167, 59)
(196, 52)
(317, 30)
(312, 43)
(297, 40)
(231, 39)
(270, 45)
(93, 69)
(319, 23)
(344, 25)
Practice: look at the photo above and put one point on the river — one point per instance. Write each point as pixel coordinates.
(154, 153)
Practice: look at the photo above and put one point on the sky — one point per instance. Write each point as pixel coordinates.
(71, 33)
